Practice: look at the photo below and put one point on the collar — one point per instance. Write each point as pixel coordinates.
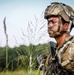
(66, 40)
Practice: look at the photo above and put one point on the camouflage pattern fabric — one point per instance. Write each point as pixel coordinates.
(66, 54)
(65, 63)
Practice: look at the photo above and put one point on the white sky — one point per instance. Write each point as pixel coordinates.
(18, 13)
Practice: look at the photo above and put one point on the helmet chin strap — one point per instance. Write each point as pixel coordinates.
(70, 23)
(58, 33)
(55, 34)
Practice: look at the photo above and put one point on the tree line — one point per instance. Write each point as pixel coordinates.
(22, 57)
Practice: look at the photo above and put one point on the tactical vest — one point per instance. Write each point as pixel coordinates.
(65, 54)
(65, 63)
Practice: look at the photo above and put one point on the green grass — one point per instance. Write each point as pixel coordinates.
(20, 72)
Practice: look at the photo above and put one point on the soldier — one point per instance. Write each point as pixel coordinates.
(60, 18)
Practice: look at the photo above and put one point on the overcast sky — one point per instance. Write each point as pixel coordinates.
(18, 13)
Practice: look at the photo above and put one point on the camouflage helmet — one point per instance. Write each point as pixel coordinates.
(60, 9)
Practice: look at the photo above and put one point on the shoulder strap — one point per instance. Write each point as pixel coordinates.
(62, 48)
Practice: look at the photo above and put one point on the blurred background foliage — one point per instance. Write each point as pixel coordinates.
(18, 57)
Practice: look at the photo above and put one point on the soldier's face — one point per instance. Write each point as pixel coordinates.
(54, 25)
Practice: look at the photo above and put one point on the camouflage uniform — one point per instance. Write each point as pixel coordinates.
(65, 63)
(65, 55)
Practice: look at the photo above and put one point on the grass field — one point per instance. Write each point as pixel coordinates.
(21, 72)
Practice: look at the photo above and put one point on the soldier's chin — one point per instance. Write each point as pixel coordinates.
(54, 35)
(51, 35)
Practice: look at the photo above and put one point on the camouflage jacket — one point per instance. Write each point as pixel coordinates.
(65, 63)
(65, 54)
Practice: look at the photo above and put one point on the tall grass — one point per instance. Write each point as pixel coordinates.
(21, 72)
(5, 31)
(35, 32)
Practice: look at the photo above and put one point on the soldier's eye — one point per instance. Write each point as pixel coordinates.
(54, 22)
(51, 21)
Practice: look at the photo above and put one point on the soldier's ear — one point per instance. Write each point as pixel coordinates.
(66, 26)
